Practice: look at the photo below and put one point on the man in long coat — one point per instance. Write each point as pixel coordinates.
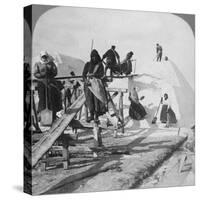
(94, 89)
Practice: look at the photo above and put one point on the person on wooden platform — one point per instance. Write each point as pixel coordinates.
(94, 89)
(45, 71)
(112, 60)
(126, 64)
(167, 115)
(136, 110)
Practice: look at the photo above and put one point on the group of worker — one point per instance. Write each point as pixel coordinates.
(138, 112)
(94, 73)
(49, 89)
(113, 62)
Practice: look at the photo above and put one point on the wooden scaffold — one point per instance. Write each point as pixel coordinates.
(44, 142)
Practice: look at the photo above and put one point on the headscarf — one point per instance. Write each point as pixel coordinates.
(49, 57)
(96, 54)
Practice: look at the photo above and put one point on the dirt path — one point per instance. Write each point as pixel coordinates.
(146, 150)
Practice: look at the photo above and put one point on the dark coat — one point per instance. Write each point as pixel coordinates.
(93, 103)
(45, 73)
(136, 111)
(126, 64)
(158, 49)
(111, 56)
(167, 111)
(89, 68)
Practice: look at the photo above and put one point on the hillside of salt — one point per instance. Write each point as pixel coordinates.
(152, 82)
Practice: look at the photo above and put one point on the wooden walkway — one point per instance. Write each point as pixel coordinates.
(45, 143)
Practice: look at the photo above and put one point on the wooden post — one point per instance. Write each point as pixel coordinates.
(86, 112)
(130, 83)
(97, 135)
(35, 113)
(115, 134)
(113, 106)
(121, 110)
(42, 164)
(80, 113)
(66, 157)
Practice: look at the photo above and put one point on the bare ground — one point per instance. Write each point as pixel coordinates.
(123, 163)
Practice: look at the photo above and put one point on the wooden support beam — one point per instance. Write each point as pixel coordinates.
(97, 135)
(35, 112)
(121, 112)
(123, 76)
(43, 145)
(66, 161)
(117, 90)
(113, 106)
(43, 165)
(84, 125)
(80, 113)
(81, 77)
(130, 83)
(86, 112)
(69, 77)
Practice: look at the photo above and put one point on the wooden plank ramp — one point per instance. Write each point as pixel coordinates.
(45, 143)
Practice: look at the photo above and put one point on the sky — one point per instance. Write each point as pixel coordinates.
(70, 31)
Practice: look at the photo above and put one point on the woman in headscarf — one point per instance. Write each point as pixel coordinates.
(94, 89)
(136, 110)
(167, 115)
(45, 71)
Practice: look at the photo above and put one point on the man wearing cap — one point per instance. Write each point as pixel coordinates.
(112, 59)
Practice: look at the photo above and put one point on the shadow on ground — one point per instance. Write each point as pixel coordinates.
(109, 162)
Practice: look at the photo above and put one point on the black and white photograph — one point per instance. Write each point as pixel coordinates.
(109, 99)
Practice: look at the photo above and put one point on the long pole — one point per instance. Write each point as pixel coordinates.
(92, 45)
(135, 67)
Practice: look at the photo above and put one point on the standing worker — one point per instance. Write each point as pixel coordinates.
(94, 89)
(49, 89)
(159, 52)
(112, 60)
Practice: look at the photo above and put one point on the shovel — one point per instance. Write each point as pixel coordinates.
(46, 114)
(155, 117)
